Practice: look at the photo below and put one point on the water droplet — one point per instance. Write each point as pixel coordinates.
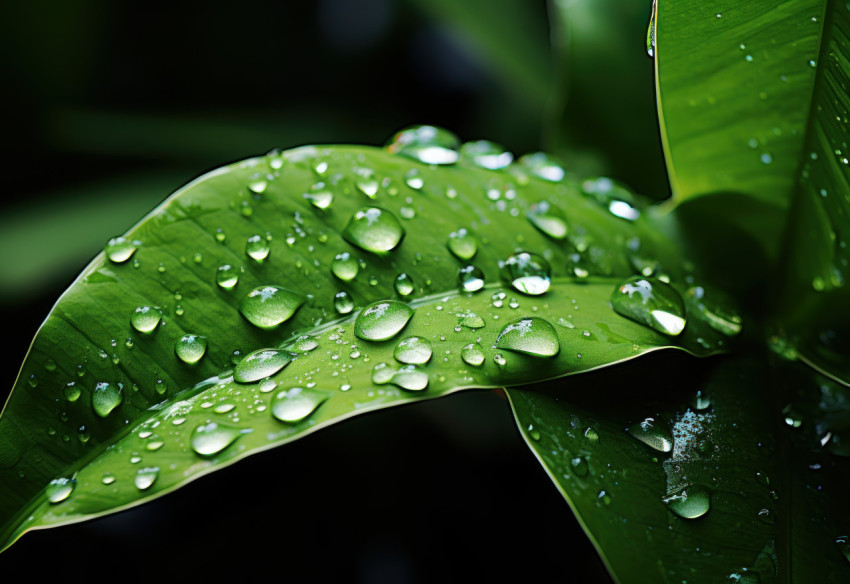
(268, 306)
(591, 435)
(120, 249)
(472, 354)
(343, 302)
(60, 489)
(257, 248)
(413, 180)
(543, 166)
(146, 477)
(529, 335)
(50, 365)
(650, 302)
(413, 350)
(470, 320)
(227, 276)
(720, 315)
(486, 154)
(344, 266)
(382, 320)
(72, 391)
(462, 244)
(108, 478)
(427, 144)
(545, 218)
(701, 401)
(296, 404)
(765, 516)
(106, 397)
(190, 348)
(579, 465)
(689, 503)
(407, 377)
(654, 435)
(321, 199)
(528, 273)
(211, 438)
(145, 318)
(403, 285)
(470, 278)
(843, 541)
(374, 230)
(220, 235)
(261, 364)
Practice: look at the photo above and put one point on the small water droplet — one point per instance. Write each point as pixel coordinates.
(344, 266)
(120, 249)
(374, 230)
(268, 306)
(689, 503)
(529, 335)
(470, 278)
(528, 273)
(413, 350)
(382, 320)
(227, 276)
(486, 154)
(403, 285)
(545, 218)
(211, 438)
(462, 244)
(257, 248)
(654, 435)
(108, 478)
(472, 354)
(321, 198)
(190, 348)
(220, 235)
(145, 318)
(543, 166)
(106, 397)
(146, 477)
(60, 489)
(591, 435)
(579, 466)
(427, 144)
(296, 404)
(261, 364)
(650, 302)
(343, 302)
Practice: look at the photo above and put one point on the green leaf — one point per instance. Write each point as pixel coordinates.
(734, 106)
(129, 388)
(766, 492)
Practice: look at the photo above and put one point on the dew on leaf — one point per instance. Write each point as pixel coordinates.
(529, 335)
(472, 354)
(261, 364)
(345, 266)
(462, 244)
(486, 154)
(382, 320)
(413, 350)
(543, 166)
(470, 278)
(145, 318)
(268, 306)
(691, 502)
(146, 477)
(106, 397)
(545, 218)
(226, 277)
(190, 348)
(296, 404)
(60, 489)
(656, 436)
(211, 438)
(374, 230)
(528, 273)
(120, 249)
(403, 285)
(343, 302)
(427, 144)
(650, 302)
(257, 248)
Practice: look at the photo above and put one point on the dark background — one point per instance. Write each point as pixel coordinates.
(110, 106)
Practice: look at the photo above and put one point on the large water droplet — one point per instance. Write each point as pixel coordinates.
(545, 218)
(344, 266)
(543, 166)
(211, 438)
(427, 144)
(60, 489)
(120, 249)
(689, 503)
(413, 350)
(146, 477)
(261, 364)
(720, 314)
(407, 377)
(529, 335)
(470, 320)
(145, 318)
(462, 244)
(528, 273)
(486, 154)
(227, 276)
(296, 404)
(343, 302)
(382, 320)
(257, 247)
(470, 278)
(654, 435)
(106, 397)
(650, 302)
(320, 198)
(190, 348)
(472, 354)
(268, 306)
(374, 230)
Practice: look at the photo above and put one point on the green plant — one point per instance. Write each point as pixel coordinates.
(375, 278)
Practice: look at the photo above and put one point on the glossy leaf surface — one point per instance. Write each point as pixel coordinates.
(712, 472)
(128, 391)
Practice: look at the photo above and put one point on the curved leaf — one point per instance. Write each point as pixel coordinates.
(96, 396)
(770, 489)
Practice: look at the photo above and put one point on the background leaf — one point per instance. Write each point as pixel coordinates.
(776, 511)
